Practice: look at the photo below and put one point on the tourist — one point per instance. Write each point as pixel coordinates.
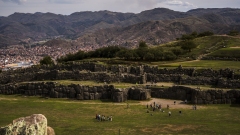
(111, 118)
(174, 102)
(153, 109)
(169, 113)
(167, 106)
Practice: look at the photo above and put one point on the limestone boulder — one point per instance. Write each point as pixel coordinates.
(35, 124)
(50, 131)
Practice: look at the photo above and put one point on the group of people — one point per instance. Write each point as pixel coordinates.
(103, 118)
(155, 106)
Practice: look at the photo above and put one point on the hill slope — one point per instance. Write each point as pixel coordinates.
(160, 25)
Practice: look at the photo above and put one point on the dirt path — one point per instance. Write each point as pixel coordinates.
(165, 102)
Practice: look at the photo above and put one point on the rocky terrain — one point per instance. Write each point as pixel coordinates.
(103, 28)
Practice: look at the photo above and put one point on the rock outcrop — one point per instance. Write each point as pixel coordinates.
(35, 124)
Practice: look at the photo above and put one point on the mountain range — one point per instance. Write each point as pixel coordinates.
(104, 28)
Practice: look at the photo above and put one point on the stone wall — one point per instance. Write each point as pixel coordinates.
(196, 96)
(80, 92)
(223, 78)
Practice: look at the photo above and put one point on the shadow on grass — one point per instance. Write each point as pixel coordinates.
(106, 100)
(235, 105)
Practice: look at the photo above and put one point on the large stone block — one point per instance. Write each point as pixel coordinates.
(35, 124)
(117, 97)
(97, 96)
(86, 95)
(80, 97)
(91, 96)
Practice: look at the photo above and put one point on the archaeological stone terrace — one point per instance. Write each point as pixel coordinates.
(21, 82)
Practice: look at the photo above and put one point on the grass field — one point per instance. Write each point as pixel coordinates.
(198, 64)
(227, 52)
(72, 117)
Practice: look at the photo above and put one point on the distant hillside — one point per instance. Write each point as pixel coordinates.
(106, 28)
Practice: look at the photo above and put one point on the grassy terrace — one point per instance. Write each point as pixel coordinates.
(128, 85)
(227, 52)
(199, 64)
(89, 83)
(78, 117)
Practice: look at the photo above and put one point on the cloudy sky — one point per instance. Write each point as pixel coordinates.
(67, 7)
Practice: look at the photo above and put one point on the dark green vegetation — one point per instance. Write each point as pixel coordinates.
(233, 33)
(181, 50)
(47, 60)
(142, 53)
(227, 52)
(203, 64)
(78, 117)
(195, 35)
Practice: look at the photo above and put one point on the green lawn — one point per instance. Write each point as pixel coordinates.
(227, 52)
(214, 64)
(72, 117)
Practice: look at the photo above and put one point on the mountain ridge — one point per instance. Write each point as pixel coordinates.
(40, 26)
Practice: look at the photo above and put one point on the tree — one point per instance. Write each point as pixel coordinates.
(188, 45)
(47, 60)
(205, 33)
(142, 44)
(169, 56)
(157, 52)
(149, 56)
(177, 51)
(80, 55)
(194, 34)
(233, 33)
(187, 37)
(131, 54)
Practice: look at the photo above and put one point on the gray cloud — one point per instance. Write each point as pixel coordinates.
(15, 1)
(66, 7)
(63, 1)
(174, 2)
(179, 3)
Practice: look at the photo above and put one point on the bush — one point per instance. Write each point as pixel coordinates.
(233, 33)
(47, 60)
